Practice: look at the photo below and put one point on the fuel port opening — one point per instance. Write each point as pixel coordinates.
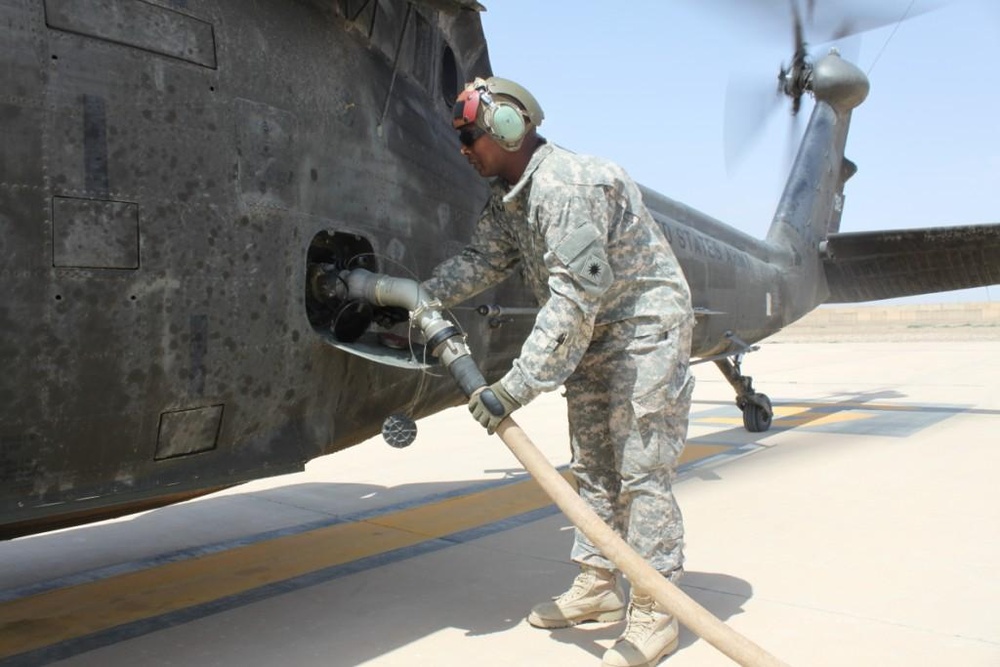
(378, 333)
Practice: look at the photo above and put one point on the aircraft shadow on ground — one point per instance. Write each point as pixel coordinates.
(208, 524)
(429, 612)
(216, 523)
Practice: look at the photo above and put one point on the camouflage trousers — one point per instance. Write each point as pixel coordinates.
(628, 403)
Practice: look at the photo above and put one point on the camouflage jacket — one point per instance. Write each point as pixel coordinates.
(589, 250)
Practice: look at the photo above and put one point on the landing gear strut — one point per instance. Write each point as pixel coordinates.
(756, 407)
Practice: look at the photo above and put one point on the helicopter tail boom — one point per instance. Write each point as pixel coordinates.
(812, 202)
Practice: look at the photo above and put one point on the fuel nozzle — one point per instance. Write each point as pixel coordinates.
(444, 340)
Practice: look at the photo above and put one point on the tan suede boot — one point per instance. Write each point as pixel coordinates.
(650, 635)
(595, 595)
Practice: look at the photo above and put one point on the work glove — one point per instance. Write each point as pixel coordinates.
(482, 414)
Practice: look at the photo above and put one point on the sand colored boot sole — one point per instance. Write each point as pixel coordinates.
(650, 635)
(595, 596)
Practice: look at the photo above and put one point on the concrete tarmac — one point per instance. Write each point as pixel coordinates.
(862, 529)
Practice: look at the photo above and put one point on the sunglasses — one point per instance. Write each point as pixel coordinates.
(470, 135)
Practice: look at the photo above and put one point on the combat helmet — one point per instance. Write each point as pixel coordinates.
(502, 108)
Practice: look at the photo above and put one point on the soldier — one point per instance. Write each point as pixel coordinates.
(614, 327)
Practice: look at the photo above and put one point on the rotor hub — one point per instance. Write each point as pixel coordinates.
(838, 83)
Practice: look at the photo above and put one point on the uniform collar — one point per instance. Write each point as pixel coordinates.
(537, 157)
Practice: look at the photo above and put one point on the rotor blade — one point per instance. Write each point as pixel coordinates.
(832, 21)
(750, 101)
(793, 139)
(824, 21)
(799, 41)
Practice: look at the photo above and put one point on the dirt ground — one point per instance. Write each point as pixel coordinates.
(951, 322)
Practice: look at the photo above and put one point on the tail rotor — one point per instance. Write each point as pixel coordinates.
(750, 102)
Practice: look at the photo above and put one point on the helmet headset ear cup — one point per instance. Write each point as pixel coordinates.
(505, 122)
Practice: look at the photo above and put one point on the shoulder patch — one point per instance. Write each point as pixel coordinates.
(583, 254)
(593, 271)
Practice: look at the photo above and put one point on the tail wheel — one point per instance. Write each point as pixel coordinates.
(757, 413)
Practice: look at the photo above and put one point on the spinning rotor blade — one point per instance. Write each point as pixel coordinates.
(750, 102)
(824, 20)
(792, 140)
(832, 21)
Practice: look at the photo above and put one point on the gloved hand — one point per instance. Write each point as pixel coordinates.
(483, 415)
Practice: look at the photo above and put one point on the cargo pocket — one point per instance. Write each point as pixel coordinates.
(663, 381)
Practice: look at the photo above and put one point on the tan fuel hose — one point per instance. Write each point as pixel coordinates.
(640, 573)
(448, 345)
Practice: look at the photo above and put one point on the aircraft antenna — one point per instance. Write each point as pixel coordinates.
(889, 38)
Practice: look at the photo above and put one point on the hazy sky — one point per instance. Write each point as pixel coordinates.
(644, 83)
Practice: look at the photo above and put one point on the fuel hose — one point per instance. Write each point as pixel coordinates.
(448, 345)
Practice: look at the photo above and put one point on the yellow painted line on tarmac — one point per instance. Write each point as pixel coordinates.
(790, 416)
(45, 619)
(813, 420)
(48, 618)
(693, 452)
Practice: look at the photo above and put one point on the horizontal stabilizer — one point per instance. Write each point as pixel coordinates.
(869, 266)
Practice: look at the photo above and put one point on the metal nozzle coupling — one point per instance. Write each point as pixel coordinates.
(443, 338)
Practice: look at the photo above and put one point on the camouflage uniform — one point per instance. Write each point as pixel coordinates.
(614, 327)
